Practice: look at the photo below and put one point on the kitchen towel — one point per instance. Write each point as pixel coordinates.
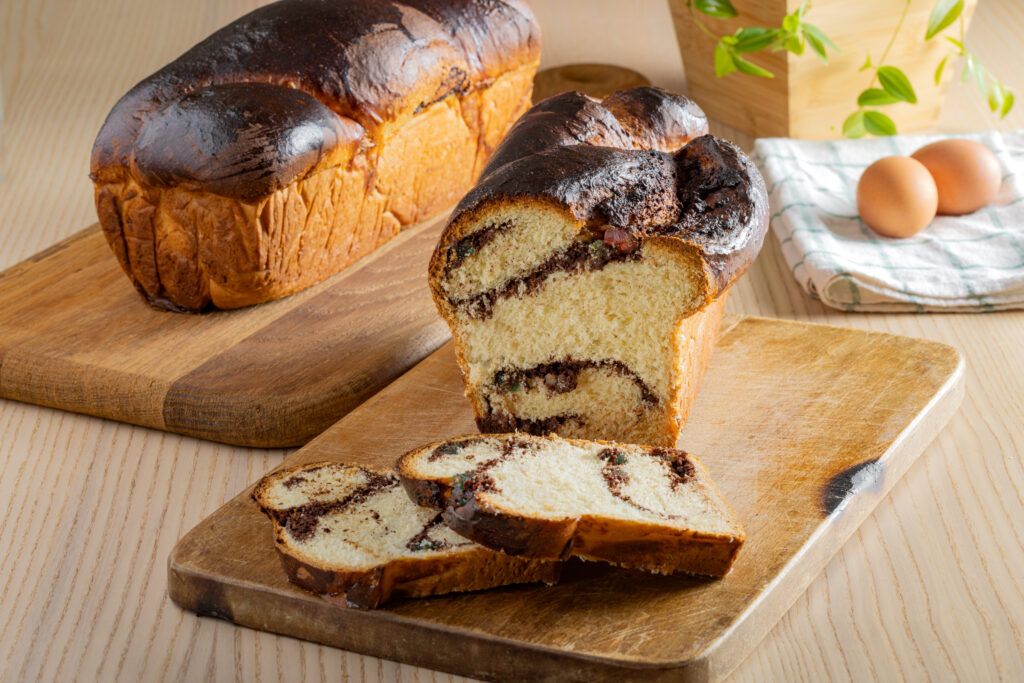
(963, 263)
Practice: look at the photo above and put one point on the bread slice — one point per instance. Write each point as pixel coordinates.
(548, 498)
(352, 535)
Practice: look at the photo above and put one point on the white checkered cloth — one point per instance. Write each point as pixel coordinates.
(965, 263)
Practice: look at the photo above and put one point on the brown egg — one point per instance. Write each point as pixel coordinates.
(966, 173)
(896, 196)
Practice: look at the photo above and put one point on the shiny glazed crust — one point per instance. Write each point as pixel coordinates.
(640, 161)
(648, 546)
(655, 173)
(301, 137)
(464, 570)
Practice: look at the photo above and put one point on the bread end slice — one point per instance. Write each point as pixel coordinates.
(549, 498)
(351, 535)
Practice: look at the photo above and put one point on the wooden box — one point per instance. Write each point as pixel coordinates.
(808, 99)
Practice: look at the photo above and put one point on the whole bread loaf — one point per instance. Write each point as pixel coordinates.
(585, 276)
(550, 498)
(301, 137)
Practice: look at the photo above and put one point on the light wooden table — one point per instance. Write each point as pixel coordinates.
(930, 587)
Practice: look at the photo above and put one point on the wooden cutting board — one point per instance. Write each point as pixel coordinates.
(803, 427)
(75, 335)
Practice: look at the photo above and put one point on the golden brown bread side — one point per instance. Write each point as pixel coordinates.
(301, 137)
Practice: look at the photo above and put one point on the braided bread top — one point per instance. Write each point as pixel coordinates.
(640, 161)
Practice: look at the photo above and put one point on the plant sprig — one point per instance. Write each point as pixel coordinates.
(896, 87)
(889, 84)
(999, 97)
(794, 35)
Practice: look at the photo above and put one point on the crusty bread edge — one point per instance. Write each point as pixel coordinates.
(652, 547)
(468, 570)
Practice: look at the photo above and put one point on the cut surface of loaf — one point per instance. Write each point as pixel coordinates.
(585, 276)
(352, 535)
(549, 498)
(302, 136)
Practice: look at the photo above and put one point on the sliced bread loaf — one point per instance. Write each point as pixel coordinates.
(548, 498)
(352, 535)
(585, 276)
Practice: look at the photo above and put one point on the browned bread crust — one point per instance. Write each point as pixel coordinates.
(635, 174)
(654, 174)
(469, 508)
(417, 574)
(300, 137)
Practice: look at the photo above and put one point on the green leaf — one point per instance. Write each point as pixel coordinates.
(820, 35)
(795, 45)
(853, 126)
(974, 70)
(943, 14)
(978, 71)
(729, 40)
(724, 64)
(873, 97)
(895, 83)
(995, 97)
(938, 70)
(957, 43)
(722, 9)
(754, 39)
(750, 68)
(791, 22)
(878, 123)
(1007, 103)
(817, 46)
(867, 63)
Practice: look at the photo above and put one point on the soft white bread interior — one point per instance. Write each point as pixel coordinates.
(550, 498)
(352, 535)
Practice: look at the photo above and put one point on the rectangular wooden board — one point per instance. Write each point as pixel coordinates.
(803, 427)
(75, 335)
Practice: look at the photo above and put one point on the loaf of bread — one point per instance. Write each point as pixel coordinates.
(353, 536)
(303, 136)
(544, 497)
(584, 277)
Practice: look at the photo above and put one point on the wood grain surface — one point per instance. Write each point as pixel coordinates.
(927, 588)
(74, 334)
(807, 98)
(764, 426)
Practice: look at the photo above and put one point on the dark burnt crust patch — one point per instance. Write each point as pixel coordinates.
(365, 61)
(708, 194)
(560, 376)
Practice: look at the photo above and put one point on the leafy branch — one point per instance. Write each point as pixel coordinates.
(794, 35)
(896, 87)
(889, 84)
(1000, 98)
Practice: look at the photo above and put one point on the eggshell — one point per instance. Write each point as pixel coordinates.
(967, 174)
(897, 197)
